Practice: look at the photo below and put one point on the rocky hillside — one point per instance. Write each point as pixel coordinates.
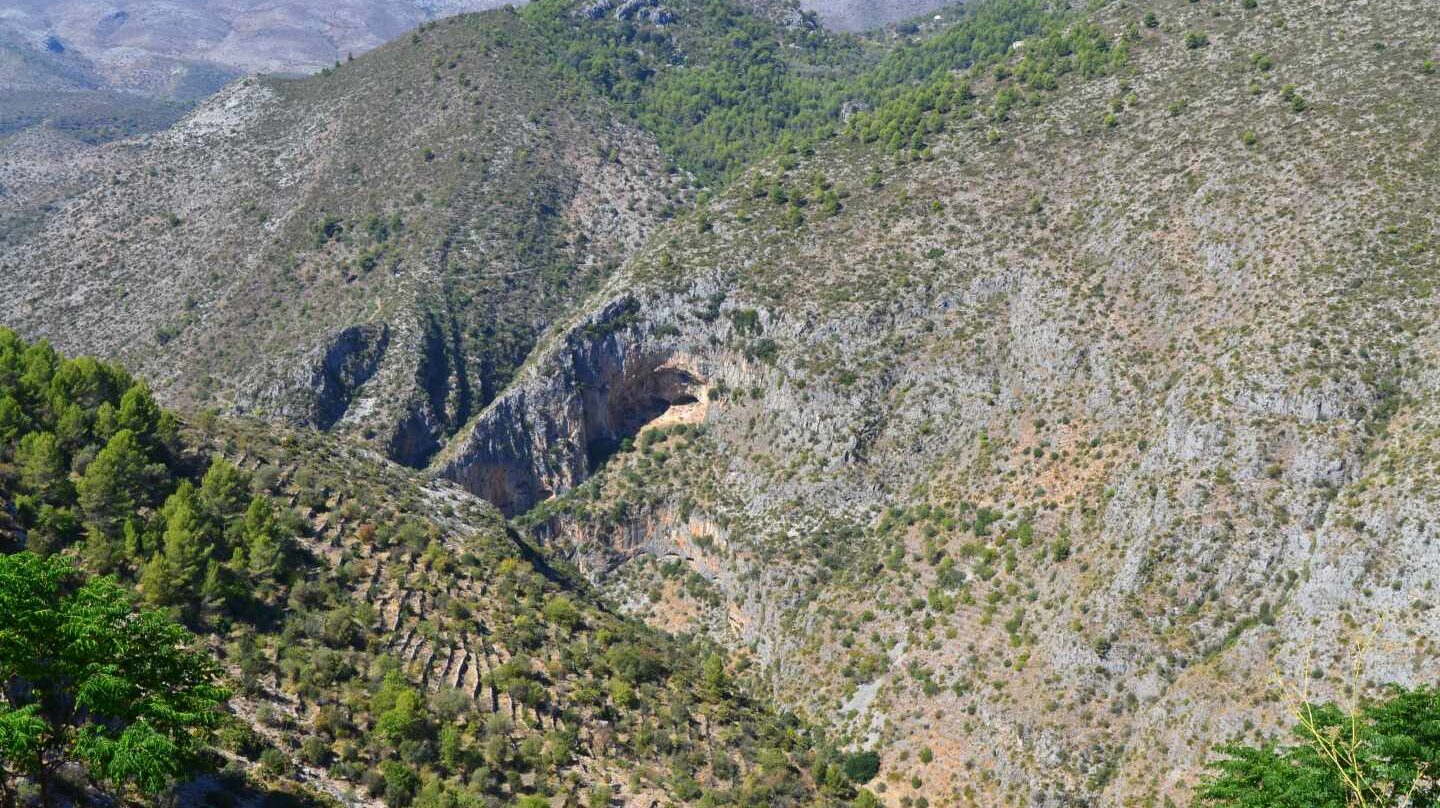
(1024, 400)
(375, 249)
(386, 638)
(401, 226)
(1027, 433)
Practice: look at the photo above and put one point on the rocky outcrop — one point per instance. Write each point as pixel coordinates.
(346, 364)
(332, 253)
(600, 384)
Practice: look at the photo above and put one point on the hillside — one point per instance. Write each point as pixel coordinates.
(1025, 435)
(375, 249)
(410, 220)
(1034, 399)
(388, 640)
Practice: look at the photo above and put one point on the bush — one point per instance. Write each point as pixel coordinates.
(273, 763)
(861, 767)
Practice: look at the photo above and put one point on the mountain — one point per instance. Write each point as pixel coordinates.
(1047, 419)
(386, 638)
(377, 248)
(408, 222)
(1035, 400)
(143, 45)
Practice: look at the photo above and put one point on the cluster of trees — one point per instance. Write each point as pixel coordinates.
(728, 86)
(718, 90)
(912, 112)
(99, 466)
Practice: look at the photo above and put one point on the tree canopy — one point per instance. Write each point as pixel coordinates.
(88, 679)
(1384, 752)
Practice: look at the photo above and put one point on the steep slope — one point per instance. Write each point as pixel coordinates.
(371, 248)
(375, 249)
(1028, 441)
(388, 639)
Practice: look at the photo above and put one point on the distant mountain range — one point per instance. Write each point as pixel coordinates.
(147, 45)
(181, 46)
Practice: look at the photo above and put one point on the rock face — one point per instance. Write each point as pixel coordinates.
(373, 250)
(603, 383)
(1051, 448)
(859, 15)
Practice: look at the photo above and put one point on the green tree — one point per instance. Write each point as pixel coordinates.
(138, 411)
(115, 483)
(560, 611)
(22, 736)
(1369, 756)
(175, 573)
(117, 691)
(224, 492)
(264, 551)
(73, 429)
(713, 677)
(400, 709)
(401, 783)
(13, 423)
(861, 767)
(42, 466)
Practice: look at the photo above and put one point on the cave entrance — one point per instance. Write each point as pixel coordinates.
(653, 395)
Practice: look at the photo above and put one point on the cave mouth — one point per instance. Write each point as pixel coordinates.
(653, 395)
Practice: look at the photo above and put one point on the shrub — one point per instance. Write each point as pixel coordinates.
(861, 767)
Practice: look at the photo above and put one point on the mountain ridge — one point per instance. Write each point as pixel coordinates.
(1088, 409)
(1033, 429)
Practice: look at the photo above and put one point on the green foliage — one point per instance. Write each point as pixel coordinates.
(861, 767)
(1386, 748)
(94, 682)
(985, 37)
(728, 86)
(717, 91)
(96, 457)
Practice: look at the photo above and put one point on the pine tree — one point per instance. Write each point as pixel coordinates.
(107, 423)
(138, 411)
(13, 423)
(42, 467)
(73, 428)
(114, 483)
(262, 540)
(222, 492)
(176, 573)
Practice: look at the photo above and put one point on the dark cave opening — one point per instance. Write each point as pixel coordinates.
(618, 410)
